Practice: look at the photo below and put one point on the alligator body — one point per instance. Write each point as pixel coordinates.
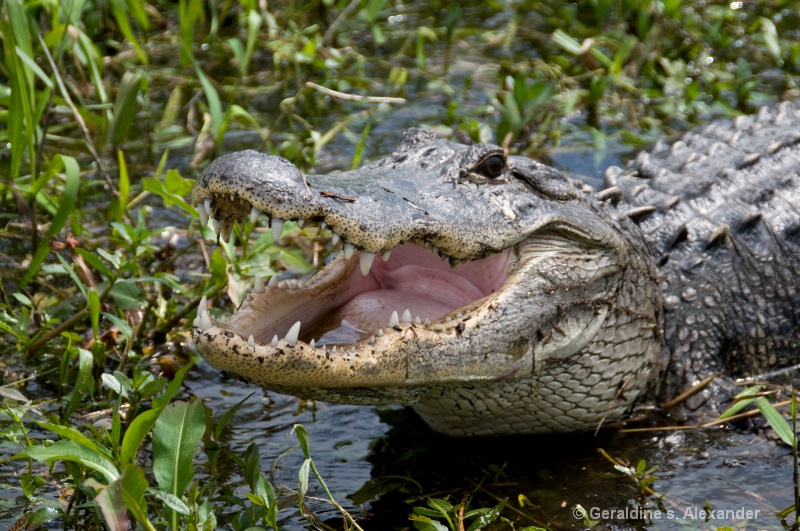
(496, 296)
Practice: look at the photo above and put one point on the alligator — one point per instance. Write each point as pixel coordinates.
(508, 298)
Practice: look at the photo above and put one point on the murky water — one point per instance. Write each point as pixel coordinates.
(744, 477)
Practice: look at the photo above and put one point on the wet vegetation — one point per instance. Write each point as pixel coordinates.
(110, 108)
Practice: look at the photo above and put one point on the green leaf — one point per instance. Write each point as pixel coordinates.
(84, 384)
(302, 436)
(172, 501)
(302, 476)
(175, 436)
(173, 387)
(158, 187)
(66, 432)
(124, 185)
(487, 517)
(228, 415)
(113, 506)
(134, 485)
(30, 63)
(127, 295)
(424, 523)
(111, 381)
(122, 325)
(742, 401)
(65, 207)
(93, 261)
(135, 434)
(776, 420)
(93, 303)
(120, 10)
(125, 106)
(267, 494)
(212, 97)
(65, 450)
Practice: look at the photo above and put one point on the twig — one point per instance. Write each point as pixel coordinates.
(47, 336)
(689, 392)
(346, 12)
(337, 196)
(658, 428)
(354, 97)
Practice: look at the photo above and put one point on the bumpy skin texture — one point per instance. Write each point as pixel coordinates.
(684, 265)
(720, 212)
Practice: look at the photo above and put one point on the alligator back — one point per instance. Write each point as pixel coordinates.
(720, 210)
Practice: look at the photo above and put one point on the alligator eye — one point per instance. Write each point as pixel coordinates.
(493, 166)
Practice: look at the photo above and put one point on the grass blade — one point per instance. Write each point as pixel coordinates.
(776, 420)
(124, 107)
(65, 208)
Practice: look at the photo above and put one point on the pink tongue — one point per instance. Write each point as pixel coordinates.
(427, 293)
(417, 280)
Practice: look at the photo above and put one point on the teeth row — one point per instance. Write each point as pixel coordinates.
(203, 322)
(366, 258)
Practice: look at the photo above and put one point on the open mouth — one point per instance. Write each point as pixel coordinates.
(359, 296)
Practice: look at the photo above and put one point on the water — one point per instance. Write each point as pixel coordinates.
(390, 449)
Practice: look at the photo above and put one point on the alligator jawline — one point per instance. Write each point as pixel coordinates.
(341, 307)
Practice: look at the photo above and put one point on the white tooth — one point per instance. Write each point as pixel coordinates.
(448, 319)
(333, 350)
(394, 320)
(365, 259)
(406, 317)
(201, 211)
(205, 321)
(258, 287)
(291, 335)
(435, 250)
(427, 322)
(301, 223)
(385, 255)
(334, 238)
(371, 340)
(273, 282)
(459, 315)
(203, 306)
(379, 333)
(215, 225)
(254, 214)
(312, 344)
(207, 205)
(251, 342)
(353, 350)
(233, 198)
(225, 233)
(349, 249)
(277, 227)
(417, 320)
(274, 342)
(325, 348)
(323, 226)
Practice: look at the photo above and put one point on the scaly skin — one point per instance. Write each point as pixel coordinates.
(560, 308)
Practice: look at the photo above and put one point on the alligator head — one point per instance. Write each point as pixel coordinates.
(487, 291)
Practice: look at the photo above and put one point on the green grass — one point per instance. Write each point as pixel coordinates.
(102, 100)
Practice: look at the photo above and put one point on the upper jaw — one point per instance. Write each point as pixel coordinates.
(373, 209)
